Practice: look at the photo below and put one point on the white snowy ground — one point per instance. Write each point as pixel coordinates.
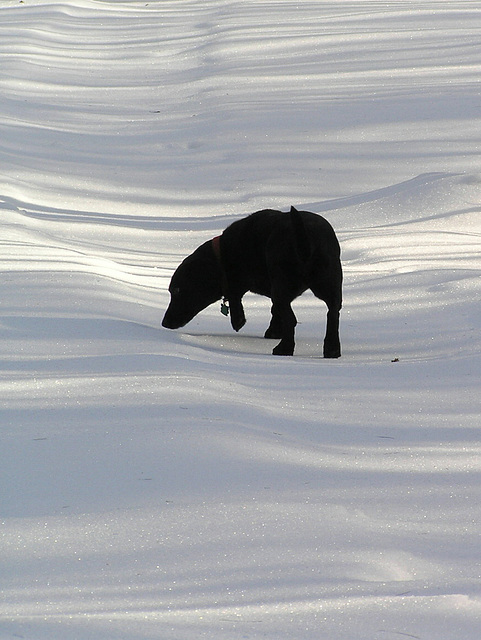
(185, 485)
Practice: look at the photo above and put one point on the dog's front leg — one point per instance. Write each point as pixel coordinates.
(274, 330)
(237, 315)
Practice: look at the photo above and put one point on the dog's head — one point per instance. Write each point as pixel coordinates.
(195, 285)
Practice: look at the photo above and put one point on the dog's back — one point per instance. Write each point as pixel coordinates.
(300, 240)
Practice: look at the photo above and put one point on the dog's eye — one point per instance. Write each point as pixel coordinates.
(175, 291)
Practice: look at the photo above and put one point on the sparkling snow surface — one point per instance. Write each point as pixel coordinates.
(178, 485)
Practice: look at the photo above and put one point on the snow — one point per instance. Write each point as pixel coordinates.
(185, 484)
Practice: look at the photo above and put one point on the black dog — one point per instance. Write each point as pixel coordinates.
(275, 254)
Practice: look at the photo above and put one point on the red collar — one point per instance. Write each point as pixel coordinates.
(216, 248)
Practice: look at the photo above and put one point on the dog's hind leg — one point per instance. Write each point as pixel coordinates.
(332, 344)
(332, 297)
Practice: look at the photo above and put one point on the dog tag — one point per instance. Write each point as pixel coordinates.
(224, 307)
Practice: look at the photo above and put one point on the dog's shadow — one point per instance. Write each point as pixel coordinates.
(249, 344)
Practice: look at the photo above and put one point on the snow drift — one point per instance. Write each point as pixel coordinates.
(187, 484)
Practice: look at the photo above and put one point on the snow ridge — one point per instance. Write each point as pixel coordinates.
(185, 485)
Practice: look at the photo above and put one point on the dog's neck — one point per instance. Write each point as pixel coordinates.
(224, 283)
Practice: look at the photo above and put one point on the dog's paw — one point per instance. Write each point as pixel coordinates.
(332, 353)
(283, 349)
(238, 323)
(332, 348)
(272, 334)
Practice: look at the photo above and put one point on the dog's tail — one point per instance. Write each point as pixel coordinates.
(310, 251)
(301, 239)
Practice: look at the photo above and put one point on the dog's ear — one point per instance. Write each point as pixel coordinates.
(293, 209)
